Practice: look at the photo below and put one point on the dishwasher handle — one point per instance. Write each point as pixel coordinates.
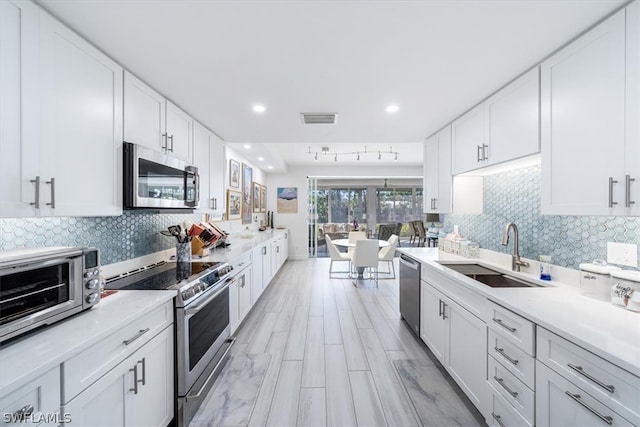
(409, 262)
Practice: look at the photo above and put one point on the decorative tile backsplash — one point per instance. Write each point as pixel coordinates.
(133, 234)
(514, 196)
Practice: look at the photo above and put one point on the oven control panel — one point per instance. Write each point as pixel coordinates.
(208, 280)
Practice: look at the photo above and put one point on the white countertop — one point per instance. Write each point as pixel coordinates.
(608, 331)
(27, 358)
(241, 243)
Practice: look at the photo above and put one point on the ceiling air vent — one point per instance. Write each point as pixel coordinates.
(319, 118)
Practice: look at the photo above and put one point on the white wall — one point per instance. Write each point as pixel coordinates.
(296, 176)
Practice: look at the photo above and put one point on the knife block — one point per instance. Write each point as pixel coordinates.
(197, 246)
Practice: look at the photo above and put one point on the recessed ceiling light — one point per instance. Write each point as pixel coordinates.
(392, 108)
(261, 159)
(269, 167)
(259, 108)
(247, 146)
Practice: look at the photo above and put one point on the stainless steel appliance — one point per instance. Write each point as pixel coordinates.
(203, 332)
(410, 292)
(40, 286)
(156, 180)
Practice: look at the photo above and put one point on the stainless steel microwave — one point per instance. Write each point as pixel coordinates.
(40, 286)
(153, 180)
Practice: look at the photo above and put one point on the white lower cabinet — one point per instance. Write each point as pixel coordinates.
(240, 290)
(261, 262)
(137, 392)
(36, 402)
(561, 403)
(459, 341)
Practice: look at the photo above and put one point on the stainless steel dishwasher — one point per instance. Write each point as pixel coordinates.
(410, 292)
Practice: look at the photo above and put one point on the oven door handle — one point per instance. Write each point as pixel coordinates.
(193, 310)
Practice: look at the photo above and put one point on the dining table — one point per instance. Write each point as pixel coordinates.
(346, 243)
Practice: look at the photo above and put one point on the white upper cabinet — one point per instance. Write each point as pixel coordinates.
(583, 92)
(19, 108)
(437, 175)
(468, 141)
(632, 113)
(154, 122)
(513, 119)
(502, 128)
(144, 116)
(179, 128)
(208, 156)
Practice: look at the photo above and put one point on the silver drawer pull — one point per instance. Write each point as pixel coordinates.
(144, 370)
(134, 389)
(579, 370)
(501, 352)
(607, 419)
(498, 419)
(140, 333)
(501, 323)
(22, 413)
(500, 381)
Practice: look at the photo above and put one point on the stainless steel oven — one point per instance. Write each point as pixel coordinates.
(203, 338)
(40, 286)
(156, 180)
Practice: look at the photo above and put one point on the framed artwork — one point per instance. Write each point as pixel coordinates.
(263, 198)
(256, 197)
(234, 174)
(247, 180)
(287, 199)
(234, 204)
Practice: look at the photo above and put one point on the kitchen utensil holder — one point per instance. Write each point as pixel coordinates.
(183, 252)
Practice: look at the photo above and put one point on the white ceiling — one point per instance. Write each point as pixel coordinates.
(434, 59)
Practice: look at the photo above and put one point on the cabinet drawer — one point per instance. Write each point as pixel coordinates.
(607, 382)
(43, 394)
(503, 414)
(514, 327)
(513, 358)
(561, 403)
(83, 369)
(241, 262)
(513, 390)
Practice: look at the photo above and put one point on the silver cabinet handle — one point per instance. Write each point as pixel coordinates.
(611, 182)
(37, 202)
(277, 249)
(607, 419)
(501, 352)
(627, 194)
(498, 419)
(478, 158)
(444, 310)
(53, 193)
(134, 389)
(144, 370)
(485, 151)
(264, 250)
(166, 144)
(500, 381)
(580, 371)
(140, 333)
(22, 413)
(215, 203)
(171, 138)
(501, 323)
(439, 308)
(242, 281)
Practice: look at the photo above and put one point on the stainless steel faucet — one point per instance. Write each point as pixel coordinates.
(516, 263)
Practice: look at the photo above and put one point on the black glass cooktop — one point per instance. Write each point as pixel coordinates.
(160, 277)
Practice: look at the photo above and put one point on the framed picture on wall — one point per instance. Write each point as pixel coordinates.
(234, 204)
(234, 174)
(263, 198)
(256, 197)
(247, 195)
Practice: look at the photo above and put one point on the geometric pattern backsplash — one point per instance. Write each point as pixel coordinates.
(515, 196)
(119, 238)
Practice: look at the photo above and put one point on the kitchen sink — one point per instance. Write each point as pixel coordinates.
(489, 277)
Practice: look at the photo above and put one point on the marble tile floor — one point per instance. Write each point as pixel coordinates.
(317, 351)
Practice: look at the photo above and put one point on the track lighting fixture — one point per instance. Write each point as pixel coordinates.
(325, 151)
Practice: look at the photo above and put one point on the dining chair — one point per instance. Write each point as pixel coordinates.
(422, 233)
(385, 231)
(414, 233)
(365, 256)
(353, 237)
(387, 253)
(337, 256)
